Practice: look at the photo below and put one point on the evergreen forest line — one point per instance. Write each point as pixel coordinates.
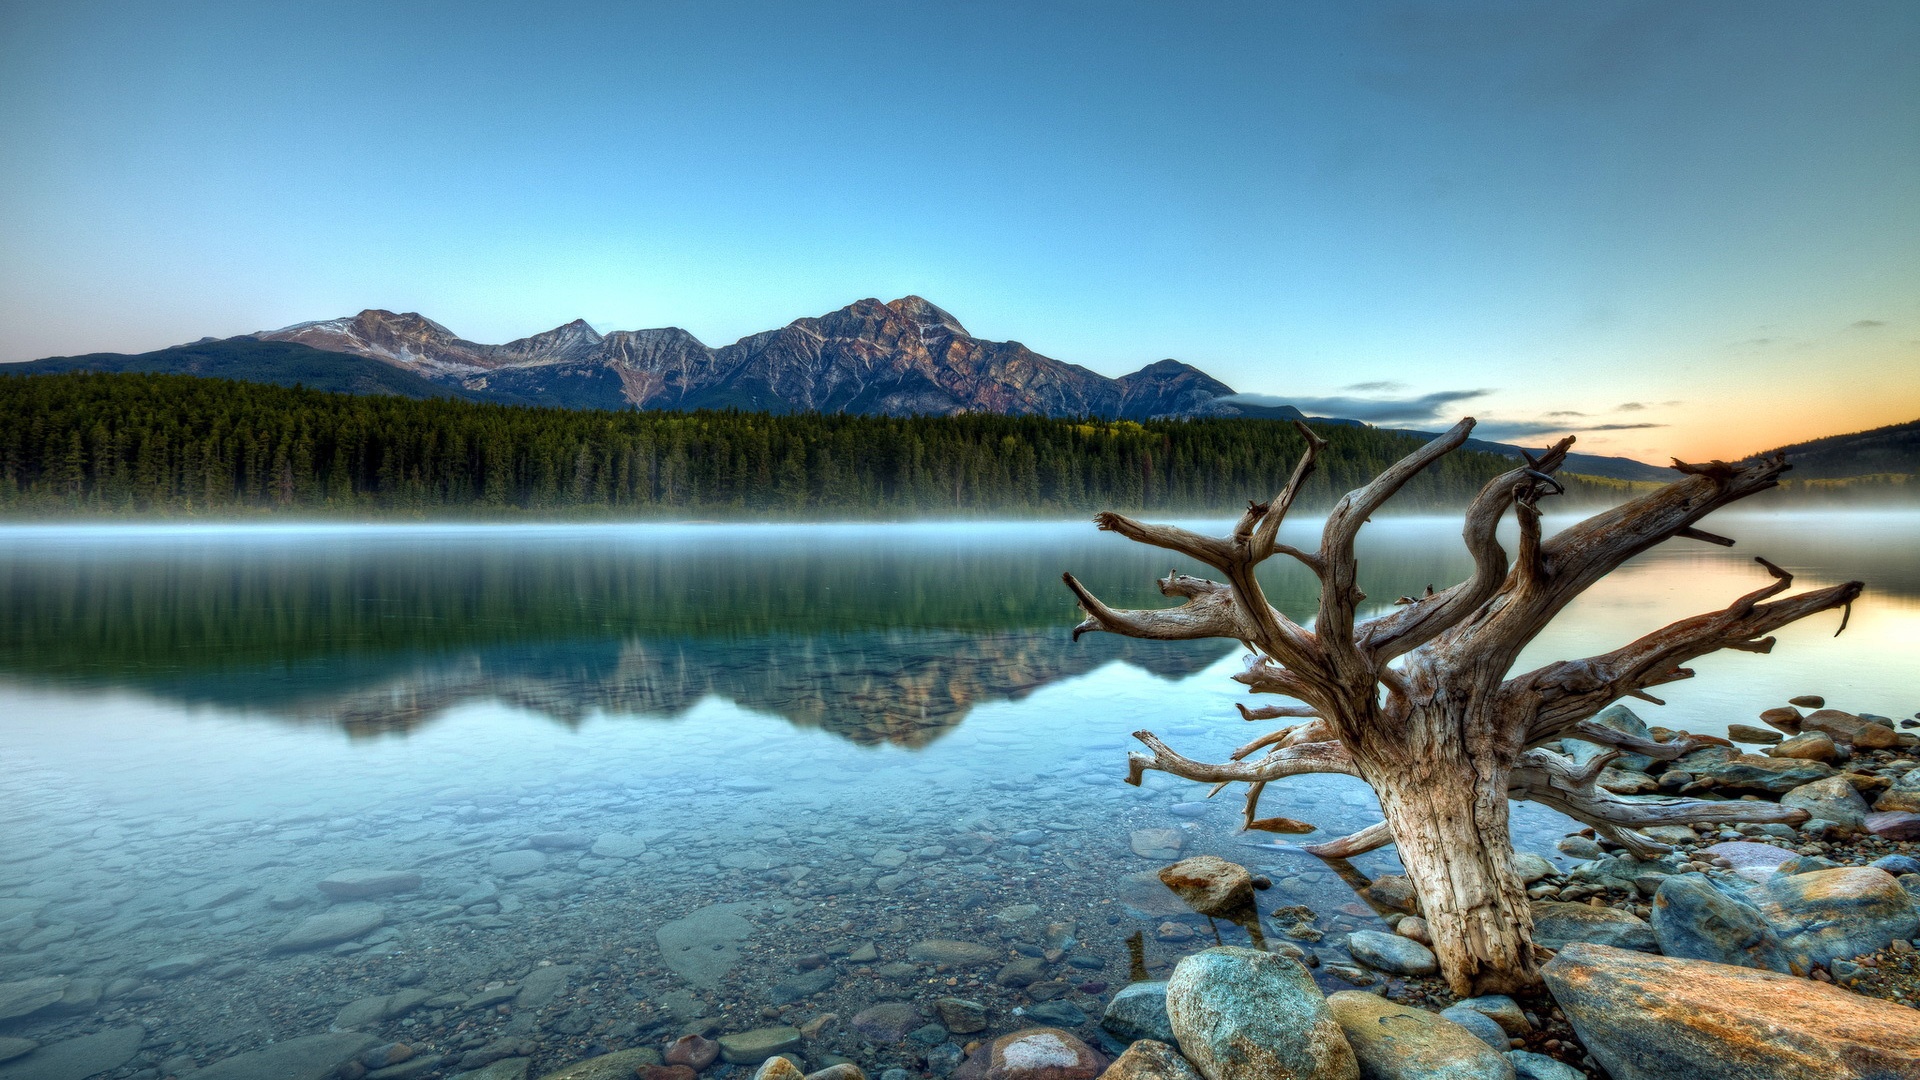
(188, 446)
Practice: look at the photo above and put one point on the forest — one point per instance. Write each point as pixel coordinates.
(189, 446)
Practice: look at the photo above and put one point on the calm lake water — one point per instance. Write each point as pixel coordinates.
(658, 778)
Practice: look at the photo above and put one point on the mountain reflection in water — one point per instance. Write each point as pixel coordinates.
(877, 634)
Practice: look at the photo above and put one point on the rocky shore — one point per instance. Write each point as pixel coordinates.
(949, 938)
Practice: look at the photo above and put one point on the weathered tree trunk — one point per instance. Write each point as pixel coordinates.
(1447, 737)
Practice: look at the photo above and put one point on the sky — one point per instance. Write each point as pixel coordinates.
(1673, 229)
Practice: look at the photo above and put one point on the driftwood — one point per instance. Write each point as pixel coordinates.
(1418, 702)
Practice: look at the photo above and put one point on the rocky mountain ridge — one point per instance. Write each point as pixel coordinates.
(900, 358)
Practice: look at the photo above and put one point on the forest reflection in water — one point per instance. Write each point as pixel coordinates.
(873, 633)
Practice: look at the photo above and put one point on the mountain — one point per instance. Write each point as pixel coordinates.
(894, 359)
(1894, 449)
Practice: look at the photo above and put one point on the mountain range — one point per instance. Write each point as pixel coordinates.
(899, 358)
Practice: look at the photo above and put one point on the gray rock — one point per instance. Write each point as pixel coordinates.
(1392, 953)
(560, 841)
(1060, 1014)
(1501, 1009)
(887, 1022)
(1531, 867)
(513, 1068)
(804, 985)
(542, 985)
(1139, 1012)
(963, 1016)
(620, 1065)
(953, 953)
(1531, 1066)
(1479, 1023)
(29, 996)
(75, 1059)
(175, 966)
(1755, 862)
(342, 922)
(212, 896)
(1246, 1015)
(704, 944)
(1580, 847)
(515, 864)
(1621, 719)
(1150, 1059)
(311, 1057)
(1556, 925)
(1750, 772)
(1022, 972)
(11, 1048)
(1401, 1042)
(1840, 913)
(1833, 799)
(362, 884)
(1157, 843)
(756, 1046)
(618, 846)
(1694, 920)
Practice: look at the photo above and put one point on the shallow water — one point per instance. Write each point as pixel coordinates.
(870, 735)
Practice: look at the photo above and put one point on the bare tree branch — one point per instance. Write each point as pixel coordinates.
(1316, 757)
(1263, 543)
(1211, 550)
(1377, 835)
(1209, 612)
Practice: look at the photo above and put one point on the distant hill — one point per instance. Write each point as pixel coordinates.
(280, 363)
(1892, 449)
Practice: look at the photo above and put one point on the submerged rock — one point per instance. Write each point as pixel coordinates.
(312, 1057)
(361, 884)
(1210, 885)
(1392, 953)
(756, 1046)
(1661, 1018)
(616, 1066)
(1246, 1015)
(704, 944)
(1139, 1012)
(72, 1059)
(342, 922)
(1041, 1053)
(1400, 1042)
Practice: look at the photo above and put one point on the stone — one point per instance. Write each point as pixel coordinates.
(1157, 843)
(1693, 920)
(1621, 719)
(542, 985)
(1784, 719)
(1661, 1018)
(1482, 1027)
(207, 897)
(76, 1059)
(1807, 746)
(621, 1065)
(1531, 867)
(703, 945)
(1833, 799)
(756, 1046)
(693, 1051)
(1401, 1042)
(515, 864)
(1392, 953)
(1557, 925)
(1838, 914)
(310, 1057)
(1580, 847)
(1501, 1009)
(1139, 1011)
(846, 1070)
(1040, 1053)
(1903, 795)
(615, 845)
(1747, 733)
(1808, 701)
(1843, 726)
(560, 841)
(11, 1048)
(1893, 824)
(175, 966)
(29, 996)
(1060, 1014)
(342, 922)
(1415, 928)
(1210, 885)
(1393, 892)
(961, 1016)
(1022, 972)
(1897, 864)
(512, 1068)
(363, 884)
(804, 985)
(887, 1022)
(1150, 1059)
(1755, 862)
(778, 1068)
(1751, 772)
(1531, 1066)
(1239, 1014)
(953, 953)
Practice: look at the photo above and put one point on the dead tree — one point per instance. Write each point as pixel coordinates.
(1420, 702)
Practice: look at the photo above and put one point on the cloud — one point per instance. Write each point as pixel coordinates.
(1867, 324)
(1426, 408)
(1381, 387)
(1565, 412)
(1511, 430)
(1630, 406)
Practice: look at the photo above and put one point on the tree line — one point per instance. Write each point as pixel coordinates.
(181, 445)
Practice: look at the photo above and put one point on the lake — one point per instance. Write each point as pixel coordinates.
(658, 778)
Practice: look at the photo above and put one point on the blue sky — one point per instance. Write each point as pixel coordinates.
(1687, 228)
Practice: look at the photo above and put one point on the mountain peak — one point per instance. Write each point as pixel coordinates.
(925, 314)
